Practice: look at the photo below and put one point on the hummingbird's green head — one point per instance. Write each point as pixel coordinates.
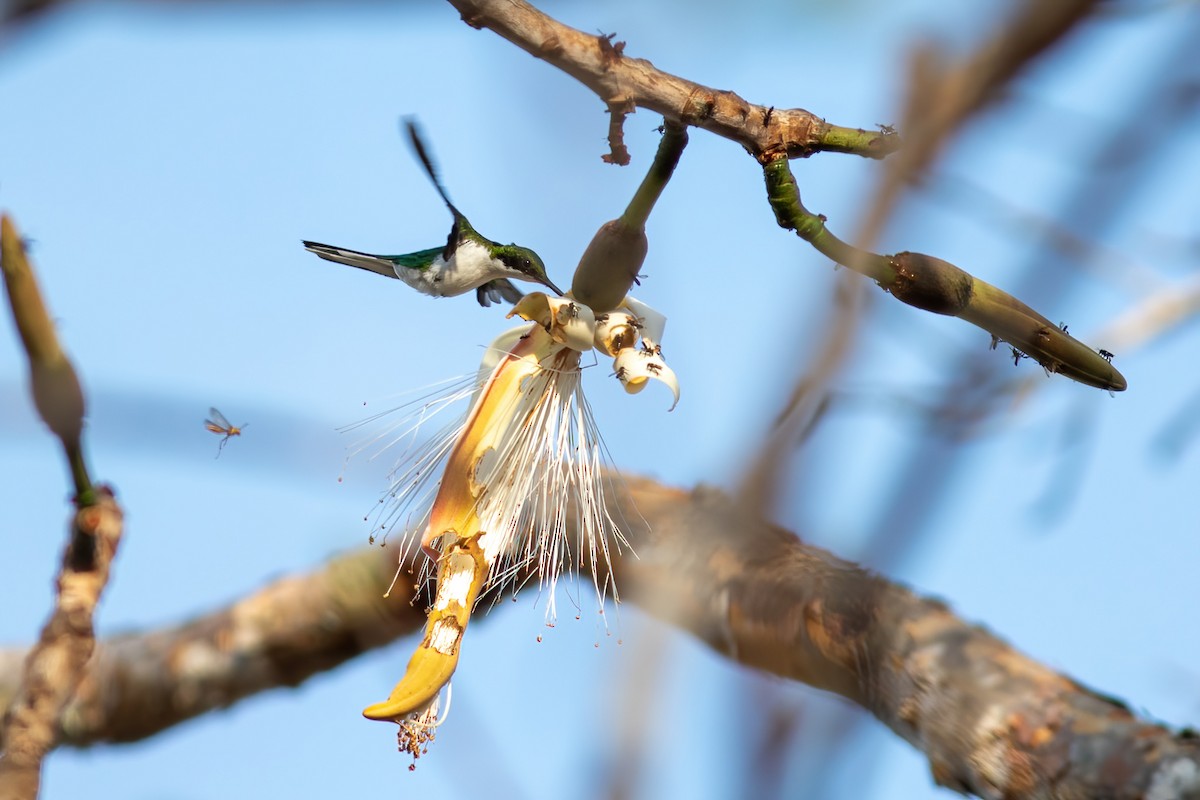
(526, 264)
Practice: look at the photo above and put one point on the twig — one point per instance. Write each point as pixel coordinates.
(809, 398)
(943, 95)
(1154, 316)
(56, 664)
(625, 83)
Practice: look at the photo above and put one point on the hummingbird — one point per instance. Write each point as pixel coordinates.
(468, 261)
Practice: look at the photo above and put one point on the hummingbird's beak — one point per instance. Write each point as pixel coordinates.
(550, 284)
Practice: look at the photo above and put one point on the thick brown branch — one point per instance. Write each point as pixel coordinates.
(942, 95)
(992, 721)
(624, 83)
(292, 629)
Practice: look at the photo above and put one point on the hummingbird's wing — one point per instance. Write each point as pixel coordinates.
(497, 291)
(418, 144)
(461, 229)
(381, 265)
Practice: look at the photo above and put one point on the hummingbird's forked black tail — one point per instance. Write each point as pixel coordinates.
(381, 265)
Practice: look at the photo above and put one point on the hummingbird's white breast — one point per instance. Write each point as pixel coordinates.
(470, 266)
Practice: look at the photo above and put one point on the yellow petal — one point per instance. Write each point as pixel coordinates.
(460, 578)
(453, 511)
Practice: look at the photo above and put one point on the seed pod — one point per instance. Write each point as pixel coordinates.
(610, 266)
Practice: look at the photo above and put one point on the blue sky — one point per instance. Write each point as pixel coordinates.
(167, 164)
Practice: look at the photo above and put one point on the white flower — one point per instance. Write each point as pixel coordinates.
(525, 467)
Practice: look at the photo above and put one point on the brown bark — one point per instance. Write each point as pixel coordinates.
(625, 83)
(281, 635)
(40, 684)
(991, 721)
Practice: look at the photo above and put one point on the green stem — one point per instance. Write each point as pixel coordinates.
(85, 493)
(670, 148)
(784, 196)
(940, 287)
(856, 141)
(609, 267)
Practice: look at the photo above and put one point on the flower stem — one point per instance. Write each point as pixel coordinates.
(940, 287)
(610, 265)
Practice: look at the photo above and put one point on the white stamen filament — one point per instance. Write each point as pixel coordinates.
(540, 455)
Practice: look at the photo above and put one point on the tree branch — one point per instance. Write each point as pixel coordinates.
(56, 664)
(44, 679)
(991, 721)
(774, 136)
(294, 628)
(626, 83)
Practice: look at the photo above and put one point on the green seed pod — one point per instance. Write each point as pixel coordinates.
(930, 284)
(610, 266)
(56, 390)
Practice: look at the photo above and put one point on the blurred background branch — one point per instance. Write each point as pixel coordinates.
(990, 720)
(54, 667)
